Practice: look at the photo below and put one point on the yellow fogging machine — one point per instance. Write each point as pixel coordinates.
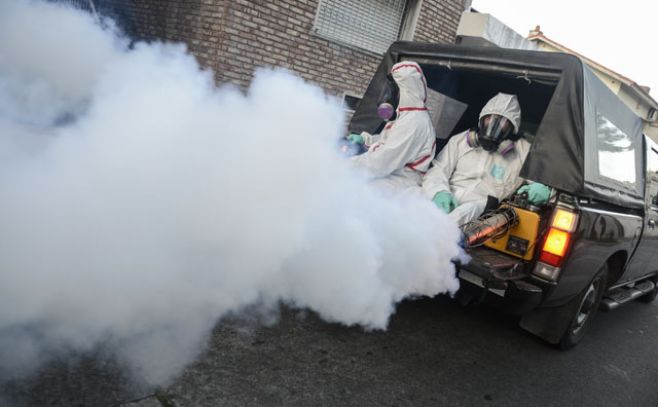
(510, 229)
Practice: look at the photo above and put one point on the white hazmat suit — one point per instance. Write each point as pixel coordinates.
(472, 174)
(399, 156)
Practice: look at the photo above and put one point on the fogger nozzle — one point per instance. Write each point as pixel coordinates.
(489, 225)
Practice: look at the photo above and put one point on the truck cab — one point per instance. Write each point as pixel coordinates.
(594, 244)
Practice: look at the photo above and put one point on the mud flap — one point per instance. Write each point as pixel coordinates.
(550, 323)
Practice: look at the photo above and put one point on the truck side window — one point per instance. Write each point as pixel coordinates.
(652, 175)
(616, 152)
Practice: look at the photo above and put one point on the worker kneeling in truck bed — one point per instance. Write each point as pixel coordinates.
(483, 163)
(397, 158)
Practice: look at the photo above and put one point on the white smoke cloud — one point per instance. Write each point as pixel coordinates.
(161, 203)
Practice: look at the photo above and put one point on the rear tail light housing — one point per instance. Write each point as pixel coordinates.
(556, 243)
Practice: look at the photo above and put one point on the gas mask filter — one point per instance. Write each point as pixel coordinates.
(388, 102)
(493, 134)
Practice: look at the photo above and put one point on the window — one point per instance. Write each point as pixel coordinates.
(616, 151)
(350, 103)
(652, 175)
(368, 24)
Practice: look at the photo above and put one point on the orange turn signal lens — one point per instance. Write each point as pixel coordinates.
(557, 242)
(564, 220)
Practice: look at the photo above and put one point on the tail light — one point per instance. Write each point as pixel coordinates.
(556, 244)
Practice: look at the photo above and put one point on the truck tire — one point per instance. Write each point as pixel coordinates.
(589, 301)
(649, 297)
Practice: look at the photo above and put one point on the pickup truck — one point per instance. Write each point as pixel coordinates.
(595, 244)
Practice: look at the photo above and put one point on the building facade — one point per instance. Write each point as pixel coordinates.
(334, 43)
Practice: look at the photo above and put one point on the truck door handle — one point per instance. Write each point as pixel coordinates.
(652, 223)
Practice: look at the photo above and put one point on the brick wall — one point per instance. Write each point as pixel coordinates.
(438, 21)
(234, 37)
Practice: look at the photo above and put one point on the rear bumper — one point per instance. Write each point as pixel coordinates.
(504, 277)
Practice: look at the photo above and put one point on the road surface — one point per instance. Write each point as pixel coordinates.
(435, 353)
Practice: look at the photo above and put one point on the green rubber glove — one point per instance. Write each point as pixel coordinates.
(356, 138)
(538, 194)
(445, 201)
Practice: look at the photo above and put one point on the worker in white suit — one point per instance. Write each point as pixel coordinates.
(482, 163)
(400, 155)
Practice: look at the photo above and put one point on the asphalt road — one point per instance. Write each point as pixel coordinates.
(435, 353)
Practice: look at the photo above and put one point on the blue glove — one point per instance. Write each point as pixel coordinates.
(538, 194)
(445, 201)
(356, 138)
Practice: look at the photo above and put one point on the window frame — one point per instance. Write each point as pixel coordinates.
(651, 174)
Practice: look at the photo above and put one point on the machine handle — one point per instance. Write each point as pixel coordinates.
(652, 223)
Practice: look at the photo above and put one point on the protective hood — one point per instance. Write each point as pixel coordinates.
(506, 106)
(411, 81)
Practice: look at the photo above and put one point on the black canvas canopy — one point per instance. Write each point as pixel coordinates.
(586, 139)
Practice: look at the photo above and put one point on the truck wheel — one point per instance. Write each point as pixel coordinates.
(650, 296)
(589, 301)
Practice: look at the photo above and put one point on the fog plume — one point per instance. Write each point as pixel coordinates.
(140, 202)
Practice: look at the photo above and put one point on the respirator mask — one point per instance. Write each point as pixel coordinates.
(388, 102)
(493, 134)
